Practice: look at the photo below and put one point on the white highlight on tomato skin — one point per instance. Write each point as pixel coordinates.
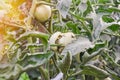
(42, 13)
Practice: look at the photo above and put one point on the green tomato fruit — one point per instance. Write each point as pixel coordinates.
(42, 12)
(108, 78)
(62, 39)
(53, 40)
(67, 38)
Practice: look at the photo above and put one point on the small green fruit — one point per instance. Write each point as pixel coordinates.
(42, 12)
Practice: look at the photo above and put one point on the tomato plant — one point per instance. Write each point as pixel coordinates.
(60, 40)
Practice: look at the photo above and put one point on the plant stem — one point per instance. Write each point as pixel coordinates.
(58, 69)
(84, 25)
(82, 22)
(44, 73)
(74, 74)
(31, 41)
(107, 4)
(50, 28)
(29, 20)
(117, 35)
(93, 55)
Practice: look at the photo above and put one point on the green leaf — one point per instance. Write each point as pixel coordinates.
(10, 71)
(104, 9)
(98, 24)
(79, 45)
(44, 73)
(117, 53)
(35, 34)
(44, 37)
(95, 71)
(97, 47)
(83, 6)
(73, 27)
(63, 6)
(34, 60)
(114, 27)
(107, 18)
(29, 45)
(24, 76)
(113, 74)
(93, 55)
(2, 79)
(113, 9)
(104, 1)
(89, 8)
(66, 63)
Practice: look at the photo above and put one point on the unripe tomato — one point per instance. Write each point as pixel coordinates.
(108, 78)
(61, 38)
(67, 38)
(42, 12)
(53, 39)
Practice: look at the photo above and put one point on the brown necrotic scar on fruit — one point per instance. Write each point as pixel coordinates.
(42, 12)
